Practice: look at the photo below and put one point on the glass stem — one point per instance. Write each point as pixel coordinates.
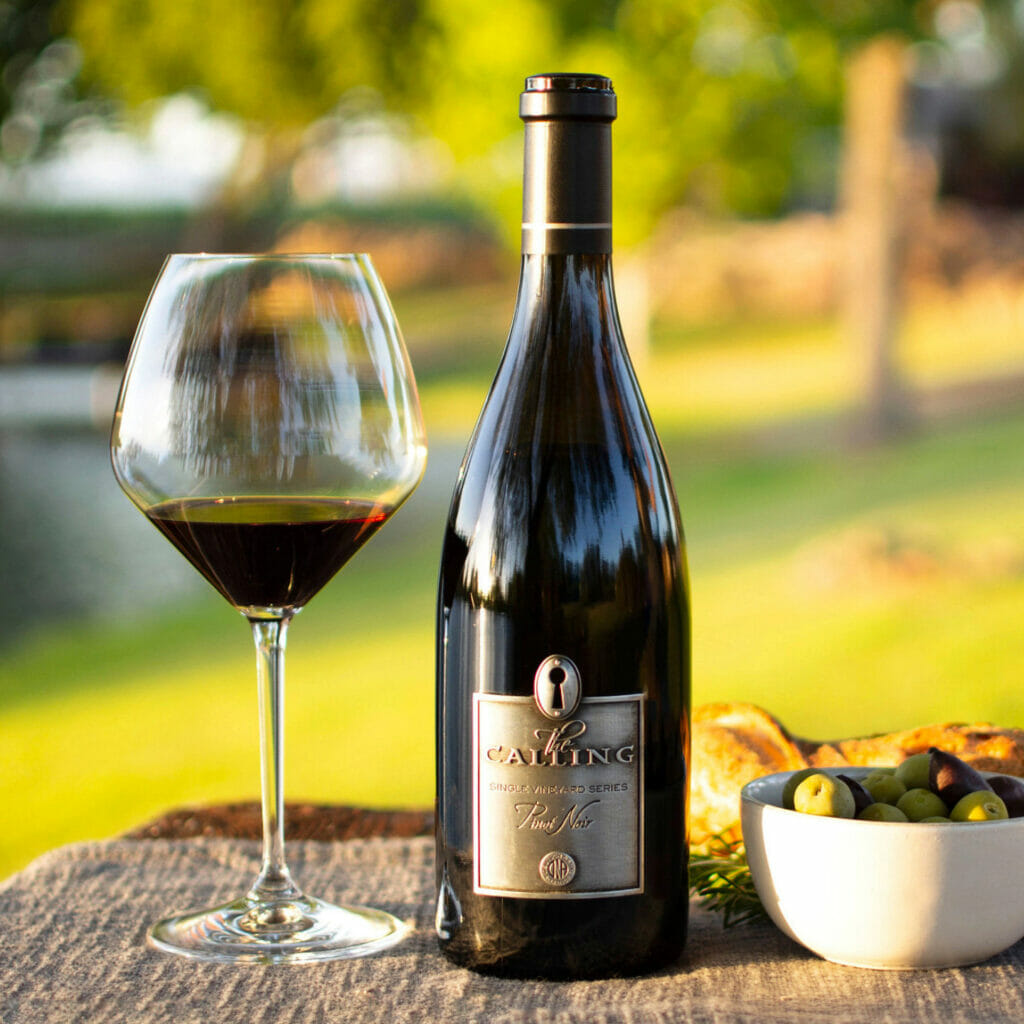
(274, 882)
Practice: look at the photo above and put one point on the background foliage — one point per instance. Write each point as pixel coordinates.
(847, 587)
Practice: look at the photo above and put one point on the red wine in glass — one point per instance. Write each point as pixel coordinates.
(268, 552)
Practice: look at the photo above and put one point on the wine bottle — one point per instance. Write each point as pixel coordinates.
(563, 611)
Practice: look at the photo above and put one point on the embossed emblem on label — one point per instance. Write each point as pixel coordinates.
(557, 868)
(558, 790)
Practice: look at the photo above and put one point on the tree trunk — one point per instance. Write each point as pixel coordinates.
(873, 226)
(259, 183)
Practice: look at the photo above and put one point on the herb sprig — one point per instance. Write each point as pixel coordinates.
(721, 879)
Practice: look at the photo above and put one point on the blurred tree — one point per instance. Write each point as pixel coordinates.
(719, 97)
(872, 40)
(25, 32)
(38, 67)
(277, 64)
(280, 63)
(982, 140)
(733, 105)
(875, 172)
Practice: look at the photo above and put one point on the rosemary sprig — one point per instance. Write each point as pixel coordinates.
(721, 879)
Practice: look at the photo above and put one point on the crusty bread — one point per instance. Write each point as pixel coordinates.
(986, 747)
(734, 743)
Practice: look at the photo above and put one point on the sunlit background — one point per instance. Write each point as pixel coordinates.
(820, 261)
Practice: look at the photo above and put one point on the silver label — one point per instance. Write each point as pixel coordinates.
(558, 794)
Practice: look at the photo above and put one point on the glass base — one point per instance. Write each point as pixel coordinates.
(300, 929)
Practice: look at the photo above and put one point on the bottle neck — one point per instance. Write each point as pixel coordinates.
(547, 274)
(566, 299)
(567, 193)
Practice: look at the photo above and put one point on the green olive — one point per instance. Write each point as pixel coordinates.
(981, 805)
(882, 812)
(921, 803)
(791, 783)
(914, 772)
(885, 789)
(824, 795)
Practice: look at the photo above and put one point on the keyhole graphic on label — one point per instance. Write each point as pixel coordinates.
(557, 678)
(556, 687)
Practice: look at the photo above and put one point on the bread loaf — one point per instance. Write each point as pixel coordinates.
(734, 743)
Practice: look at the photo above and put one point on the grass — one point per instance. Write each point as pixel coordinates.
(105, 728)
(848, 592)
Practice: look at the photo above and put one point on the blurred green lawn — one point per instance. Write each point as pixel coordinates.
(848, 591)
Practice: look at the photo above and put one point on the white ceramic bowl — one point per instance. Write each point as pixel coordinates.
(888, 895)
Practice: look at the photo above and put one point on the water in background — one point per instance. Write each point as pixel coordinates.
(72, 545)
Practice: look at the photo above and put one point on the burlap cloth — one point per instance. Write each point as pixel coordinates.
(72, 948)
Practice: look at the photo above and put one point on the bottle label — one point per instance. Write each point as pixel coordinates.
(558, 794)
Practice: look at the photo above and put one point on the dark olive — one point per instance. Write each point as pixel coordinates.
(952, 779)
(861, 797)
(1011, 791)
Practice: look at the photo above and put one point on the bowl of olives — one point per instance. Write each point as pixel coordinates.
(917, 866)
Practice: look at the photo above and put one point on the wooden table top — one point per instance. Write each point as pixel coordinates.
(324, 822)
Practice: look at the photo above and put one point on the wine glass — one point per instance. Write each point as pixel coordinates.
(268, 425)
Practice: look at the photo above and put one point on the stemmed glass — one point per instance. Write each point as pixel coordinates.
(268, 424)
